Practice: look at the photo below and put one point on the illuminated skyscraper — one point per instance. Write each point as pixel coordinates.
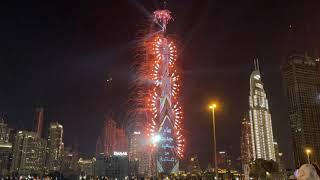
(39, 116)
(137, 151)
(4, 131)
(54, 147)
(138, 142)
(114, 139)
(5, 148)
(28, 154)
(165, 112)
(135, 145)
(223, 160)
(301, 77)
(260, 118)
(246, 147)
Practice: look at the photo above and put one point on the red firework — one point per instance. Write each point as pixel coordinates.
(156, 51)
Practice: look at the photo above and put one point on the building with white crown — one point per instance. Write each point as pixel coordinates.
(260, 119)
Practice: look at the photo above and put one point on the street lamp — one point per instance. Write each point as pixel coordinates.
(308, 152)
(213, 107)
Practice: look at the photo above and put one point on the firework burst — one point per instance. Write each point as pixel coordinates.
(156, 92)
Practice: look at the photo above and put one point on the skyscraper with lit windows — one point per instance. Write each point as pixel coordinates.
(28, 154)
(260, 118)
(301, 78)
(55, 146)
(246, 147)
(5, 148)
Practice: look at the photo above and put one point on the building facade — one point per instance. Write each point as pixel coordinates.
(246, 147)
(121, 144)
(260, 119)
(114, 139)
(164, 127)
(87, 166)
(223, 160)
(28, 154)
(109, 135)
(39, 118)
(100, 165)
(5, 148)
(54, 147)
(301, 79)
(69, 163)
(138, 151)
(117, 166)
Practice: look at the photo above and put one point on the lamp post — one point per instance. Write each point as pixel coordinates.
(308, 152)
(212, 107)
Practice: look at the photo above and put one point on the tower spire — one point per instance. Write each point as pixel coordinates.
(256, 64)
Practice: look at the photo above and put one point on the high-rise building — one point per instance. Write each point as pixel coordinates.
(109, 136)
(4, 131)
(223, 160)
(114, 139)
(138, 151)
(28, 154)
(69, 161)
(301, 78)
(246, 147)
(5, 148)
(135, 145)
(260, 118)
(165, 116)
(54, 147)
(138, 143)
(39, 117)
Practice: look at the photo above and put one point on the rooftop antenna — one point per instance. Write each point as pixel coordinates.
(256, 64)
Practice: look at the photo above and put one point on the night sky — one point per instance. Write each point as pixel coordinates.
(59, 54)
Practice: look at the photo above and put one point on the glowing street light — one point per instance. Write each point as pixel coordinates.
(213, 107)
(308, 152)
